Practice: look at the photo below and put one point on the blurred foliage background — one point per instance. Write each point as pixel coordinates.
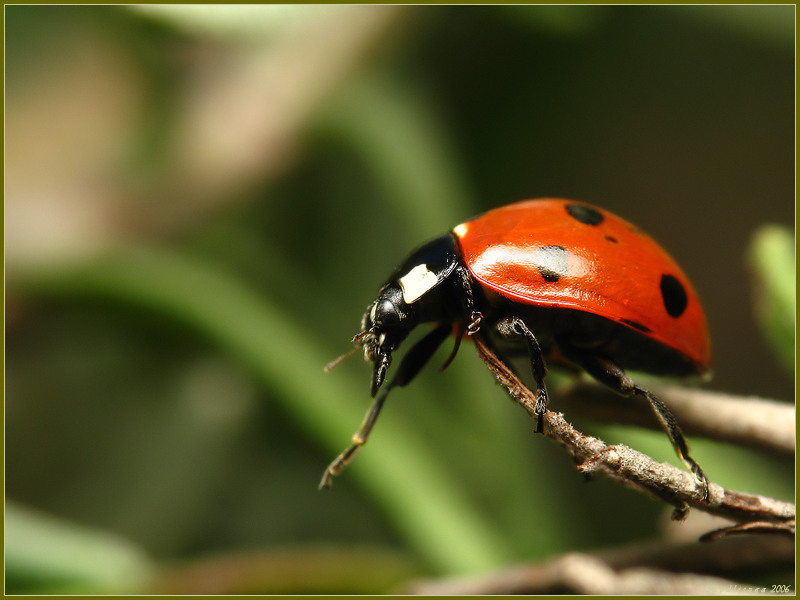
(201, 200)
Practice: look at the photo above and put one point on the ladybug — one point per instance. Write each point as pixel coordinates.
(562, 279)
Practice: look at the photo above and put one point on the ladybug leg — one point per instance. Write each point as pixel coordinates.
(515, 327)
(464, 280)
(410, 366)
(614, 377)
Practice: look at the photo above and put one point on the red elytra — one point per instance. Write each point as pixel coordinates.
(608, 268)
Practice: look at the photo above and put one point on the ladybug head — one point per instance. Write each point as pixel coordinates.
(385, 324)
(411, 295)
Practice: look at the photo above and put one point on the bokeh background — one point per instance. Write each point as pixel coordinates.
(200, 202)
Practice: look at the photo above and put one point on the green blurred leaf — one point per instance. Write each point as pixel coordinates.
(771, 259)
(46, 555)
(406, 477)
(565, 20)
(254, 21)
(767, 24)
(398, 134)
(337, 569)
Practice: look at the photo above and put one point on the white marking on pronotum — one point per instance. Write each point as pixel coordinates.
(416, 283)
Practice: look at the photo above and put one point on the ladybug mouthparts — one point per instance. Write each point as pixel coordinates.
(384, 326)
(376, 353)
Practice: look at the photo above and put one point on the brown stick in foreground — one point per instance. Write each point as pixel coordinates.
(640, 569)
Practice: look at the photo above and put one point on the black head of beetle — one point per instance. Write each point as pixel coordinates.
(413, 294)
(385, 324)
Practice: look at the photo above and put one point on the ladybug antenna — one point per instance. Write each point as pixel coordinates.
(358, 339)
(336, 361)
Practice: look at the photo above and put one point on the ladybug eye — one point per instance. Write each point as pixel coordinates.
(385, 314)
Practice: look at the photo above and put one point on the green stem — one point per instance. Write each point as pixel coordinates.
(408, 481)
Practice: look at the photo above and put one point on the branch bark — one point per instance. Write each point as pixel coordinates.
(746, 421)
(656, 568)
(636, 470)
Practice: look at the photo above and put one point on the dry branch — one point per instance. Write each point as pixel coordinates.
(654, 568)
(577, 574)
(745, 421)
(636, 470)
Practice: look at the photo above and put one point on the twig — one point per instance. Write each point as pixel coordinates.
(641, 472)
(750, 421)
(576, 574)
(654, 568)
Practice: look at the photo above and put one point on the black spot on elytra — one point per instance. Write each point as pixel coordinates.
(612, 239)
(552, 262)
(637, 325)
(584, 214)
(674, 295)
